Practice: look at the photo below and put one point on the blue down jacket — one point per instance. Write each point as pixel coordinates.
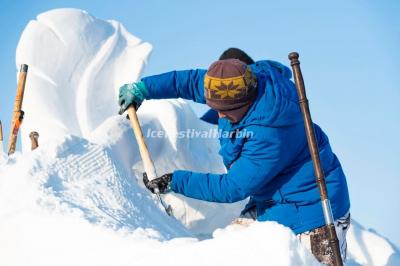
(271, 163)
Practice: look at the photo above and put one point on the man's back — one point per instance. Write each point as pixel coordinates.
(287, 192)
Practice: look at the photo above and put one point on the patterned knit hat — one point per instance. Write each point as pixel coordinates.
(229, 84)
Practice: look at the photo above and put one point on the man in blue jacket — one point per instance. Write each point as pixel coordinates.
(272, 165)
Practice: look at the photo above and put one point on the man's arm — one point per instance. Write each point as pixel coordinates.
(261, 159)
(186, 84)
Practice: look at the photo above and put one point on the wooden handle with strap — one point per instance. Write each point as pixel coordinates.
(18, 114)
(144, 153)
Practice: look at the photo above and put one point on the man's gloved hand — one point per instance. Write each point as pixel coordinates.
(133, 93)
(161, 183)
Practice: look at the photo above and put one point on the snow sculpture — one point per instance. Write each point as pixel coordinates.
(76, 65)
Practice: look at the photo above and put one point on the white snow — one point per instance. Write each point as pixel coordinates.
(367, 247)
(76, 65)
(79, 200)
(74, 201)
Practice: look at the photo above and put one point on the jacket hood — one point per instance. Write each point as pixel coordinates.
(276, 104)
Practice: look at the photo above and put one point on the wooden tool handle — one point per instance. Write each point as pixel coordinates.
(308, 124)
(17, 115)
(21, 88)
(144, 152)
(314, 152)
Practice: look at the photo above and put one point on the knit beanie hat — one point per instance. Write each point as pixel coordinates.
(229, 84)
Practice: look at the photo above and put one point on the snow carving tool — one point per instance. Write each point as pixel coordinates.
(18, 115)
(34, 136)
(1, 137)
(144, 153)
(313, 147)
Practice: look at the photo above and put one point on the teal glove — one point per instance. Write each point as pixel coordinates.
(133, 93)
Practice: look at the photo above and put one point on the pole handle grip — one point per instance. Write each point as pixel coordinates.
(294, 57)
(144, 152)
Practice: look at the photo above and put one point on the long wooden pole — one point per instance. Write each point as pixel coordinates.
(144, 153)
(18, 113)
(314, 151)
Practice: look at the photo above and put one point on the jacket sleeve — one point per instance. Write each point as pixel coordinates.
(261, 159)
(186, 84)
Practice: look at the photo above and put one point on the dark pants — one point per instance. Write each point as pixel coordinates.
(316, 240)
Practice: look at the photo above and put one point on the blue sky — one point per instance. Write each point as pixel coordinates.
(349, 53)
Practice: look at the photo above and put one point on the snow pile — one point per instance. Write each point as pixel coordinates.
(79, 200)
(366, 247)
(75, 202)
(76, 65)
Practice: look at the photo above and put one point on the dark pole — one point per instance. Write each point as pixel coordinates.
(312, 145)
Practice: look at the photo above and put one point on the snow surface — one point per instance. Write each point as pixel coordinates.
(79, 200)
(76, 65)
